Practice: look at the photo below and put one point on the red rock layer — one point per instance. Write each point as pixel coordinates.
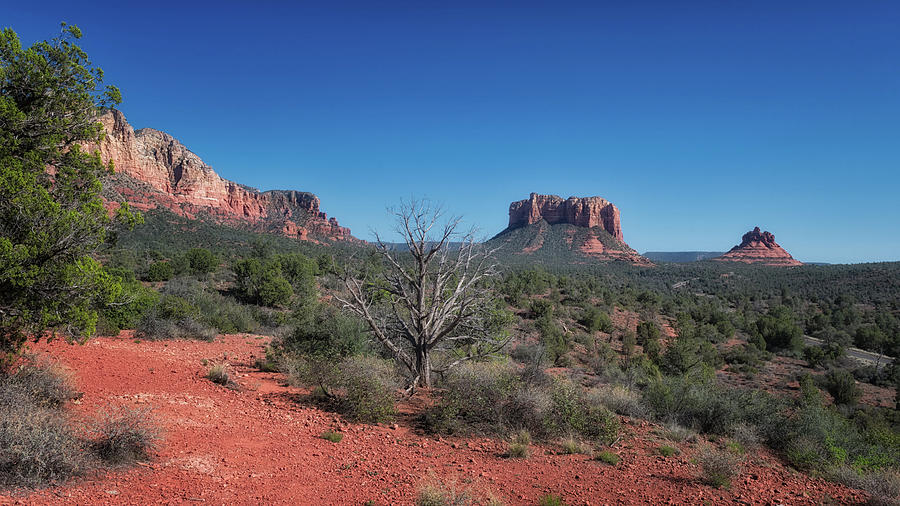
(758, 247)
(177, 179)
(583, 212)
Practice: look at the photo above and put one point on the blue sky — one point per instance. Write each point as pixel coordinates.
(699, 120)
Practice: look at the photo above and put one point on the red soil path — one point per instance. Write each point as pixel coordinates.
(261, 445)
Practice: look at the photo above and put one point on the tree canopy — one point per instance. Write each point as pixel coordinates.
(52, 219)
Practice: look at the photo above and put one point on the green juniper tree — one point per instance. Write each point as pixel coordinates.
(52, 219)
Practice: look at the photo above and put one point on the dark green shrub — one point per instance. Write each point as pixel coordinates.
(160, 271)
(133, 303)
(842, 386)
(779, 330)
(201, 261)
(594, 319)
(321, 330)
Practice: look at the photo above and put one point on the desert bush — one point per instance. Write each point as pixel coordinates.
(174, 317)
(571, 446)
(882, 486)
(333, 436)
(201, 261)
(679, 433)
(517, 451)
(323, 331)
(746, 434)
(38, 445)
(160, 271)
(622, 400)
(363, 388)
(37, 381)
(700, 404)
(571, 411)
(551, 500)
(120, 435)
(842, 386)
(476, 398)
(133, 303)
(435, 494)
(220, 375)
(607, 457)
(594, 319)
(494, 398)
(207, 305)
(718, 467)
(370, 386)
(667, 451)
(522, 437)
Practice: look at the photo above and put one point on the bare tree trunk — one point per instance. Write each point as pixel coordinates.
(423, 367)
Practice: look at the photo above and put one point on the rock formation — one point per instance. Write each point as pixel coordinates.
(582, 212)
(566, 230)
(154, 170)
(758, 247)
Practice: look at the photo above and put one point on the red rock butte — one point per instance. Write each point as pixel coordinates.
(582, 212)
(592, 227)
(759, 247)
(168, 175)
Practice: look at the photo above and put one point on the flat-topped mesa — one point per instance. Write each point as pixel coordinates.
(575, 230)
(582, 212)
(759, 247)
(180, 181)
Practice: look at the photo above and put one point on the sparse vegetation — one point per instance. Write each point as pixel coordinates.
(667, 451)
(607, 457)
(551, 500)
(220, 374)
(333, 436)
(121, 435)
(718, 467)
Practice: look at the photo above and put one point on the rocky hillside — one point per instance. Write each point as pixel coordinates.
(759, 247)
(154, 170)
(566, 230)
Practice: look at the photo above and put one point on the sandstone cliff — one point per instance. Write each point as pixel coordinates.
(566, 230)
(758, 247)
(582, 212)
(171, 176)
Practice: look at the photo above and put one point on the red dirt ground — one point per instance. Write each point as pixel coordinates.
(261, 445)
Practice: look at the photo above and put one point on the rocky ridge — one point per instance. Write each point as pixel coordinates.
(154, 170)
(759, 247)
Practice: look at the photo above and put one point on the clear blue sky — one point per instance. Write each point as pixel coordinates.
(699, 120)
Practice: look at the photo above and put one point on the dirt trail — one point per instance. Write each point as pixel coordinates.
(260, 445)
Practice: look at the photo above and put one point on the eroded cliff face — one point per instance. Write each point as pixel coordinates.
(585, 228)
(175, 178)
(582, 212)
(759, 247)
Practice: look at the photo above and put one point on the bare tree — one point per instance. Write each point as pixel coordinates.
(433, 301)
